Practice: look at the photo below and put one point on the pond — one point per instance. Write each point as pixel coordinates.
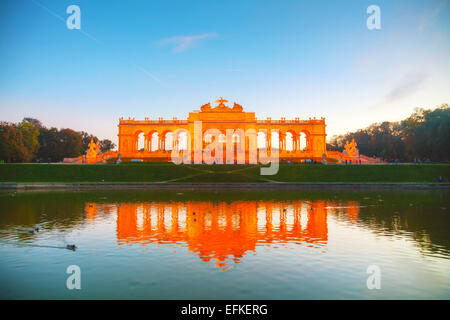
(187, 244)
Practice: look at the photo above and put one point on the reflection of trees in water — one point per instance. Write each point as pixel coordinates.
(52, 211)
(429, 233)
(420, 215)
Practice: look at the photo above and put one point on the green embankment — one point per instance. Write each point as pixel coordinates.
(170, 173)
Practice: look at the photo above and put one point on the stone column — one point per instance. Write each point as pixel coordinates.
(309, 143)
(246, 149)
(175, 141)
(145, 143)
(280, 141)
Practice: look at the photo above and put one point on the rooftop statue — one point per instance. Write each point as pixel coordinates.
(221, 107)
(221, 101)
(237, 107)
(206, 107)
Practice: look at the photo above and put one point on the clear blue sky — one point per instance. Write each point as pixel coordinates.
(276, 58)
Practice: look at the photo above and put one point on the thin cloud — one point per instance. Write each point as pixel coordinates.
(183, 43)
(146, 72)
(408, 86)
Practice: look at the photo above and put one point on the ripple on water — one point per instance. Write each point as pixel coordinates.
(149, 248)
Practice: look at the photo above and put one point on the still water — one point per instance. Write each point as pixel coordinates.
(225, 245)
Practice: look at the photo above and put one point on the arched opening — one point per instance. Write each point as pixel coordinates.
(182, 140)
(168, 141)
(275, 140)
(139, 141)
(261, 140)
(155, 139)
(303, 141)
(289, 141)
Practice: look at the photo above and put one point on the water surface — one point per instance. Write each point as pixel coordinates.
(225, 245)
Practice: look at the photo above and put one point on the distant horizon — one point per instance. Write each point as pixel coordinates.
(160, 59)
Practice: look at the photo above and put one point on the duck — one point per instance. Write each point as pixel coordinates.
(71, 247)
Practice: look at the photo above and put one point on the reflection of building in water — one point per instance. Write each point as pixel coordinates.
(353, 211)
(221, 231)
(92, 209)
(347, 211)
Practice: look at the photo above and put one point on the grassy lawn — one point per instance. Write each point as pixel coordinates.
(170, 173)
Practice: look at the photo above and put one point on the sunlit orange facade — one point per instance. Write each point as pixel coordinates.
(223, 232)
(272, 134)
(229, 134)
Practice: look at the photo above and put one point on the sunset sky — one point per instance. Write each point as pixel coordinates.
(167, 58)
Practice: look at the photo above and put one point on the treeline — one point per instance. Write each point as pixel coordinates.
(424, 136)
(30, 141)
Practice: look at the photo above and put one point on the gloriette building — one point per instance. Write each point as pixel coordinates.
(223, 134)
(154, 139)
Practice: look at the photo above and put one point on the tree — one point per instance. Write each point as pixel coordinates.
(30, 139)
(35, 122)
(106, 145)
(59, 144)
(71, 144)
(425, 135)
(12, 148)
(49, 141)
(86, 138)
